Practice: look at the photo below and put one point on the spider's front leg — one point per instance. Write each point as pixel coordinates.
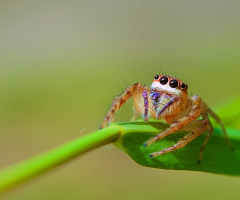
(120, 100)
(191, 114)
(199, 129)
(188, 122)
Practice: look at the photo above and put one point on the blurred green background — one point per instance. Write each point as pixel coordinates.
(61, 64)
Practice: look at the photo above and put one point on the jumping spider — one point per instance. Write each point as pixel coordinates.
(168, 99)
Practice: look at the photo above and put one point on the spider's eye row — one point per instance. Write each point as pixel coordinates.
(183, 86)
(173, 83)
(163, 80)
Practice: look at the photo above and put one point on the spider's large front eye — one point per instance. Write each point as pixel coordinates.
(163, 80)
(156, 77)
(173, 83)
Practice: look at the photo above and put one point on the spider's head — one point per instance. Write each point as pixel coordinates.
(170, 85)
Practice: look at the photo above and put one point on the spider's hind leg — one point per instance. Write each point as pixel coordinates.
(219, 121)
(209, 127)
(205, 111)
(134, 117)
(202, 124)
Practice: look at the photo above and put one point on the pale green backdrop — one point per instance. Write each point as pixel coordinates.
(62, 63)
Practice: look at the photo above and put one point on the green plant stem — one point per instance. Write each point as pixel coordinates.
(18, 173)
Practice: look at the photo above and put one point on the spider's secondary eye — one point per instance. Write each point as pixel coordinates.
(163, 80)
(156, 77)
(183, 86)
(173, 83)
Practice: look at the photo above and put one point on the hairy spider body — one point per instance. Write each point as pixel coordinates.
(167, 99)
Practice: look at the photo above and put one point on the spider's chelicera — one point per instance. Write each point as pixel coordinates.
(167, 99)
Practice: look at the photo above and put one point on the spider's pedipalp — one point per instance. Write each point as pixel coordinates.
(145, 97)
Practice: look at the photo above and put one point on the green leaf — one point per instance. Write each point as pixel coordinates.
(217, 158)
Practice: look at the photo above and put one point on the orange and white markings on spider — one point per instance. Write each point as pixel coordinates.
(167, 99)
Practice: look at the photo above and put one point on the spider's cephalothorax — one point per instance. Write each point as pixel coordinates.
(167, 99)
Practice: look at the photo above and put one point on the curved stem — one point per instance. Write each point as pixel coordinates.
(18, 173)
